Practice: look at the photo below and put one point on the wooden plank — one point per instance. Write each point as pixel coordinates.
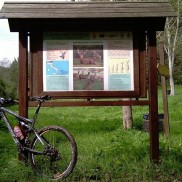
(62, 5)
(81, 9)
(87, 9)
(136, 62)
(153, 97)
(36, 61)
(91, 103)
(93, 94)
(51, 14)
(85, 24)
(142, 63)
(164, 95)
(23, 74)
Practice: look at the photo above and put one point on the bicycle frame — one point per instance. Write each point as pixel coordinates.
(3, 116)
(51, 151)
(28, 123)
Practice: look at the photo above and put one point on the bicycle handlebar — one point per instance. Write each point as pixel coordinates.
(7, 101)
(36, 98)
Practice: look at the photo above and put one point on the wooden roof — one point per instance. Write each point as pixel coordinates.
(86, 16)
(153, 8)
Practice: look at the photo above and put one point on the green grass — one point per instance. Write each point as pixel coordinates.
(105, 151)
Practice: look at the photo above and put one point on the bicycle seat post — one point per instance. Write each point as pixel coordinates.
(37, 110)
(40, 100)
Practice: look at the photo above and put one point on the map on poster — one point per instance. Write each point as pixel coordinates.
(57, 68)
(85, 61)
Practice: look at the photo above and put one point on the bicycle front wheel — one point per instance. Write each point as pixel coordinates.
(59, 158)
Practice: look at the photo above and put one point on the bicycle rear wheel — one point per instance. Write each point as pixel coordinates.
(58, 160)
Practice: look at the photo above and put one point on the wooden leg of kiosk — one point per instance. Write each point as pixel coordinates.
(23, 74)
(153, 98)
(23, 80)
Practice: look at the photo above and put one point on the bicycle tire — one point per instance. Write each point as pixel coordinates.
(66, 146)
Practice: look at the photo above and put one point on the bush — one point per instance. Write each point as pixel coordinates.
(2, 89)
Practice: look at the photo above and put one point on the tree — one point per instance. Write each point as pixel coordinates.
(9, 79)
(2, 88)
(170, 38)
(14, 78)
(127, 117)
(5, 62)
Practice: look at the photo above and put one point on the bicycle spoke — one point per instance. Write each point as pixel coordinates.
(60, 155)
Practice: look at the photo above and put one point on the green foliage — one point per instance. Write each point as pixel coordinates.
(178, 64)
(14, 78)
(172, 45)
(9, 78)
(177, 5)
(2, 89)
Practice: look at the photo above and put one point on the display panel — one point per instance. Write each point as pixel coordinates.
(88, 61)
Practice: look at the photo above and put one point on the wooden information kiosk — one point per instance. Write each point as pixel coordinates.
(84, 50)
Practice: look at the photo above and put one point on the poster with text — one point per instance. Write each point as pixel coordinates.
(120, 65)
(86, 61)
(56, 65)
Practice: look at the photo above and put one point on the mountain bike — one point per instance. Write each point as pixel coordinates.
(52, 151)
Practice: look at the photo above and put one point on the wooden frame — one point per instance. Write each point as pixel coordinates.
(37, 75)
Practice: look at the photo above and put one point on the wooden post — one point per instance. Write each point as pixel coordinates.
(36, 47)
(153, 97)
(23, 74)
(142, 54)
(164, 94)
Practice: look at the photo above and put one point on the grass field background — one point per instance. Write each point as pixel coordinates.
(106, 152)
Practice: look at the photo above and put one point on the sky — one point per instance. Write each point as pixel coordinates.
(9, 40)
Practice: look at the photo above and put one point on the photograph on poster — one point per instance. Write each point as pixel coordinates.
(88, 78)
(88, 55)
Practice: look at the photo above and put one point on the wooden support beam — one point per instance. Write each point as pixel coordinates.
(153, 97)
(23, 74)
(36, 47)
(164, 94)
(143, 78)
(91, 103)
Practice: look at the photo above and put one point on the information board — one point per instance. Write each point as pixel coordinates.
(88, 61)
